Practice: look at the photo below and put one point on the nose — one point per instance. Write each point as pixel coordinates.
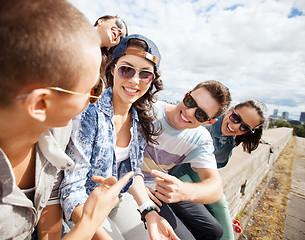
(135, 79)
(190, 112)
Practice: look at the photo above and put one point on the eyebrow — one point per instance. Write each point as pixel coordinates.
(128, 63)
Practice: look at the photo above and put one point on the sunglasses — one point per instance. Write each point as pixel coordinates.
(127, 72)
(119, 23)
(236, 119)
(95, 93)
(200, 114)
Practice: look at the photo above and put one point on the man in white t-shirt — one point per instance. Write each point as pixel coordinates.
(184, 140)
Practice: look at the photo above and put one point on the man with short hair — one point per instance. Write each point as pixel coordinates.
(184, 140)
(49, 70)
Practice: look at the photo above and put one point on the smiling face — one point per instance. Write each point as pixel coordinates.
(248, 115)
(182, 117)
(110, 34)
(126, 92)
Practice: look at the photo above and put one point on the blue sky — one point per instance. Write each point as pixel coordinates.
(256, 48)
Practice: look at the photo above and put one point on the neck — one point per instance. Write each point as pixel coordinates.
(170, 111)
(17, 137)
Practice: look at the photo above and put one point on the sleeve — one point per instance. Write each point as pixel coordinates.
(202, 156)
(72, 190)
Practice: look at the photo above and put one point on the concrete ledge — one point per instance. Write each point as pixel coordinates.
(245, 172)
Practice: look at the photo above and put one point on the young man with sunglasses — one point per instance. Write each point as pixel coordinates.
(184, 140)
(49, 71)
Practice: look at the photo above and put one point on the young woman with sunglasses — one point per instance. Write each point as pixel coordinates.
(241, 124)
(184, 140)
(108, 139)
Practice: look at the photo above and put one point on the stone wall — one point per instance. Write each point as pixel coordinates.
(245, 172)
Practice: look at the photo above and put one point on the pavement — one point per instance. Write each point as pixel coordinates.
(295, 218)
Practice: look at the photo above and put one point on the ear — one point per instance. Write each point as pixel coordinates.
(100, 21)
(36, 104)
(112, 70)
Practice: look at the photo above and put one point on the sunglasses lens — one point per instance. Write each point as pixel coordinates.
(201, 115)
(235, 118)
(189, 101)
(243, 128)
(126, 72)
(146, 76)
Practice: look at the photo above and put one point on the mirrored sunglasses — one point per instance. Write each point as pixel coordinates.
(236, 119)
(127, 72)
(200, 114)
(119, 23)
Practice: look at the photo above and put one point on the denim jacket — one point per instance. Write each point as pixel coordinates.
(19, 215)
(223, 144)
(92, 147)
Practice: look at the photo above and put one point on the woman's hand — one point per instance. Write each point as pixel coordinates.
(159, 228)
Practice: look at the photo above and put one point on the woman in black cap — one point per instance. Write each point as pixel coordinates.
(109, 139)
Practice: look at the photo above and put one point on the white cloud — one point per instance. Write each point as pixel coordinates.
(254, 48)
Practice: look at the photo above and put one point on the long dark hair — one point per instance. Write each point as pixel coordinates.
(143, 105)
(250, 141)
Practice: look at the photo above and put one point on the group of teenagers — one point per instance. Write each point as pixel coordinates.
(86, 149)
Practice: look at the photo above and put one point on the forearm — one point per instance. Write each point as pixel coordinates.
(138, 190)
(206, 192)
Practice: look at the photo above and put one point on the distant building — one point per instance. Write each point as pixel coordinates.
(295, 122)
(275, 112)
(302, 117)
(285, 115)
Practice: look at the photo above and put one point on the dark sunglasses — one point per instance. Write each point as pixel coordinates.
(236, 119)
(127, 72)
(190, 102)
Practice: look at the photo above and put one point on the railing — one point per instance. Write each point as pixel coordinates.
(245, 172)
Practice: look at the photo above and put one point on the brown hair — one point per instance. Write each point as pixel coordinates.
(219, 92)
(108, 53)
(143, 105)
(42, 44)
(250, 141)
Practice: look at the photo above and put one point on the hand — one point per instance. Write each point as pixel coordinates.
(169, 188)
(103, 198)
(159, 228)
(151, 194)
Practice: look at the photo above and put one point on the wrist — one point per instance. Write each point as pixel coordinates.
(147, 211)
(145, 205)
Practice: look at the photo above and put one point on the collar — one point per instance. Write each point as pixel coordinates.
(216, 130)
(53, 151)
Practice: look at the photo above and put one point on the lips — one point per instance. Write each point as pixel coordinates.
(229, 129)
(184, 118)
(130, 91)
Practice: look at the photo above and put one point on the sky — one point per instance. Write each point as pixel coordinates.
(256, 48)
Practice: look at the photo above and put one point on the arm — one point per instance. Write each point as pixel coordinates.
(158, 227)
(170, 189)
(97, 207)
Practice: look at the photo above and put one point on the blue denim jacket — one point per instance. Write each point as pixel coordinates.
(92, 147)
(223, 144)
